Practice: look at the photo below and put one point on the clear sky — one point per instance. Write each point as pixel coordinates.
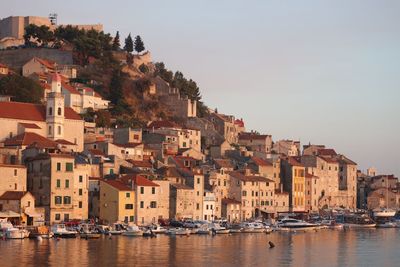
(325, 72)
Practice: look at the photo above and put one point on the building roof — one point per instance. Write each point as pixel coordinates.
(13, 195)
(182, 186)
(344, 160)
(249, 178)
(29, 125)
(327, 152)
(117, 184)
(223, 163)
(239, 123)
(140, 163)
(169, 171)
(70, 88)
(12, 166)
(47, 63)
(310, 176)
(31, 112)
(261, 162)
(295, 161)
(163, 124)
(230, 201)
(252, 136)
(329, 160)
(3, 66)
(138, 180)
(96, 152)
(29, 138)
(64, 142)
(128, 145)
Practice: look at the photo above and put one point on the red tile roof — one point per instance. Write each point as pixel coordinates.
(30, 125)
(96, 152)
(182, 186)
(13, 195)
(29, 138)
(47, 63)
(327, 152)
(261, 162)
(239, 123)
(223, 163)
(138, 180)
(295, 161)
(117, 184)
(248, 136)
(249, 178)
(31, 112)
(128, 145)
(138, 163)
(70, 88)
(64, 142)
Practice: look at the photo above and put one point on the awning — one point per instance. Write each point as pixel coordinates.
(9, 214)
(32, 214)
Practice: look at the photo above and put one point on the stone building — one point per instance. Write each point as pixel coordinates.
(13, 178)
(288, 148)
(231, 210)
(257, 143)
(293, 180)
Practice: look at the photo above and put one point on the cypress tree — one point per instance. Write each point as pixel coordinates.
(139, 45)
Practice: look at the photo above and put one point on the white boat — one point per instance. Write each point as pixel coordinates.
(178, 231)
(358, 221)
(253, 227)
(331, 224)
(218, 229)
(115, 229)
(384, 212)
(289, 224)
(132, 230)
(60, 230)
(386, 225)
(88, 231)
(157, 229)
(10, 232)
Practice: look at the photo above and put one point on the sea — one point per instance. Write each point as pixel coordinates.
(363, 247)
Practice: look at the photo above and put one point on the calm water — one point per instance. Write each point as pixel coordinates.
(379, 247)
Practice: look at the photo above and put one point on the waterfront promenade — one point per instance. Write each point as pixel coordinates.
(367, 247)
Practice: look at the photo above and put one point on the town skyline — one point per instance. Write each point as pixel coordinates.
(356, 72)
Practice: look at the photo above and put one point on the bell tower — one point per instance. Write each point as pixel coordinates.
(55, 110)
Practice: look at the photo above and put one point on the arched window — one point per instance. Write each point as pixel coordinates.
(50, 111)
(59, 111)
(59, 130)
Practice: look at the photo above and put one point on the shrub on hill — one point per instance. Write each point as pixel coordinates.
(21, 89)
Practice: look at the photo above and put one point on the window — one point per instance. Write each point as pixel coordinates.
(57, 217)
(59, 112)
(198, 180)
(80, 192)
(49, 130)
(128, 195)
(131, 218)
(224, 182)
(58, 200)
(197, 206)
(50, 111)
(15, 172)
(244, 193)
(58, 183)
(15, 186)
(129, 206)
(67, 183)
(126, 219)
(67, 200)
(206, 207)
(80, 204)
(29, 204)
(153, 204)
(69, 166)
(80, 178)
(141, 204)
(141, 190)
(66, 217)
(111, 171)
(58, 166)
(59, 130)
(184, 144)
(153, 190)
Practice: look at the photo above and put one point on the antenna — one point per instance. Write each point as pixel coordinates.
(53, 18)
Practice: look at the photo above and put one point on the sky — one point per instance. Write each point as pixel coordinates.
(325, 72)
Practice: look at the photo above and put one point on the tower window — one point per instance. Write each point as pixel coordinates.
(59, 130)
(50, 111)
(59, 111)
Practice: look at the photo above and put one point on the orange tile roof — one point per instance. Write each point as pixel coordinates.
(47, 63)
(29, 125)
(13, 195)
(261, 162)
(137, 180)
(31, 112)
(29, 138)
(117, 184)
(327, 152)
(139, 163)
(250, 136)
(64, 142)
(70, 88)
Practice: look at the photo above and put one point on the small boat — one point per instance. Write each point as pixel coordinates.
(384, 212)
(60, 230)
(88, 231)
(331, 224)
(178, 231)
(11, 232)
(116, 229)
(132, 230)
(157, 229)
(358, 221)
(41, 231)
(289, 224)
(387, 224)
(235, 228)
(253, 227)
(218, 229)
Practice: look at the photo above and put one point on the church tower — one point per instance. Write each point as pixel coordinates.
(55, 110)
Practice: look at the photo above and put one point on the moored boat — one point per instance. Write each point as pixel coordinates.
(11, 232)
(253, 227)
(358, 221)
(132, 230)
(178, 231)
(60, 230)
(384, 212)
(40, 231)
(289, 224)
(88, 231)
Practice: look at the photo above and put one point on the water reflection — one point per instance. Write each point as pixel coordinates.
(323, 248)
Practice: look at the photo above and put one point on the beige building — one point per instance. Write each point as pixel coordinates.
(231, 210)
(117, 202)
(51, 120)
(225, 126)
(38, 65)
(13, 178)
(22, 202)
(256, 194)
(150, 198)
(257, 143)
(181, 201)
(59, 185)
(288, 148)
(293, 179)
(209, 202)
(3, 69)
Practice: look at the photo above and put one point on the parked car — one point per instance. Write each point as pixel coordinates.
(174, 223)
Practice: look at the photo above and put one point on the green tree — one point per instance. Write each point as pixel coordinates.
(21, 88)
(116, 90)
(39, 34)
(128, 44)
(116, 44)
(139, 45)
(144, 69)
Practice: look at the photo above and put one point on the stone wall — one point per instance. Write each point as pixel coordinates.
(17, 58)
